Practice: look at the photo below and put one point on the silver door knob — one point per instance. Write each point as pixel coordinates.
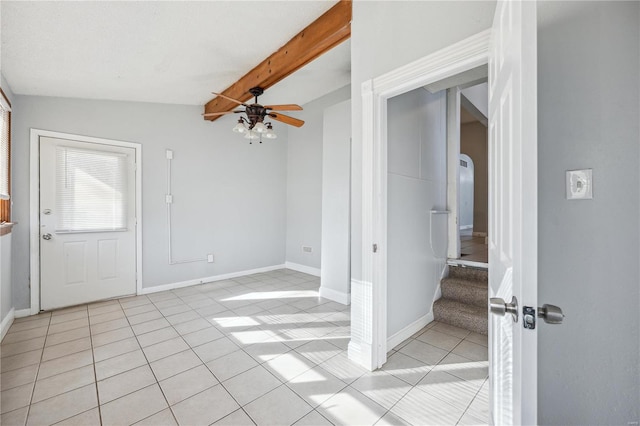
(46, 236)
(499, 307)
(551, 314)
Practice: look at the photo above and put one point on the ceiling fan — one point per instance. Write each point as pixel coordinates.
(253, 124)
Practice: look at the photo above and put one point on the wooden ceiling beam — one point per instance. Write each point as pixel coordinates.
(326, 32)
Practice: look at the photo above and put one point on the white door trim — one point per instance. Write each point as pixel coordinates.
(453, 172)
(368, 345)
(34, 205)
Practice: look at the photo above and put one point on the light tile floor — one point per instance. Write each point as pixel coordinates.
(262, 349)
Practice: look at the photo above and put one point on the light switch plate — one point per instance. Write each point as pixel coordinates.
(579, 184)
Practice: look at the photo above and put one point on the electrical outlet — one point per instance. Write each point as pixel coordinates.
(210, 258)
(169, 154)
(307, 249)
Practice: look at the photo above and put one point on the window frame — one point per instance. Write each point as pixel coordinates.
(5, 205)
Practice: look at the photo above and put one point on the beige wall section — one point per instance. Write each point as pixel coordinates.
(473, 142)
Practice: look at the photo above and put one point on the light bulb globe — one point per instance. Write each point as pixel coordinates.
(240, 128)
(260, 128)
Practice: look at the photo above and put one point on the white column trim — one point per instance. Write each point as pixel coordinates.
(335, 295)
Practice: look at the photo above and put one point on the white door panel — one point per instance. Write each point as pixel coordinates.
(88, 224)
(513, 210)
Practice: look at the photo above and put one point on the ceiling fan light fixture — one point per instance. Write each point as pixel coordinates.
(252, 125)
(270, 134)
(240, 127)
(251, 135)
(260, 127)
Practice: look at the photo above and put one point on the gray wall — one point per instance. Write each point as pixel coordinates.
(417, 183)
(588, 103)
(473, 142)
(389, 34)
(304, 181)
(229, 196)
(336, 168)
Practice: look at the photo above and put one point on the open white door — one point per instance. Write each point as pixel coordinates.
(513, 211)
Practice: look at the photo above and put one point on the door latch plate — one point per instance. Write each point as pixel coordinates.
(529, 317)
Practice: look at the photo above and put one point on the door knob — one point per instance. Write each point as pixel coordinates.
(551, 314)
(46, 236)
(499, 307)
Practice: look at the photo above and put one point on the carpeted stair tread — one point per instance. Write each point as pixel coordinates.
(469, 273)
(465, 291)
(470, 317)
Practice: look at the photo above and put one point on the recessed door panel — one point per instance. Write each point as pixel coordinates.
(107, 259)
(75, 262)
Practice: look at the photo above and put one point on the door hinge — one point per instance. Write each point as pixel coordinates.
(375, 248)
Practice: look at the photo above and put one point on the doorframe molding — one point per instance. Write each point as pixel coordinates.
(368, 346)
(34, 204)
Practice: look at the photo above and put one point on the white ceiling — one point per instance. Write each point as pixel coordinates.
(167, 52)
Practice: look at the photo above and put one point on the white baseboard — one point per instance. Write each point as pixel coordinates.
(6, 323)
(21, 313)
(336, 296)
(302, 268)
(181, 284)
(465, 227)
(409, 331)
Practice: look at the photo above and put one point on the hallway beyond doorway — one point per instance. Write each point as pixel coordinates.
(473, 248)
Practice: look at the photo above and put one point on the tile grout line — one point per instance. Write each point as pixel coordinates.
(35, 381)
(430, 370)
(259, 364)
(268, 327)
(95, 374)
(473, 399)
(206, 366)
(152, 372)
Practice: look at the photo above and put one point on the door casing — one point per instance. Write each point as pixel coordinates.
(34, 204)
(368, 345)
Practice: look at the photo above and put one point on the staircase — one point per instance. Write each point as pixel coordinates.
(464, 299)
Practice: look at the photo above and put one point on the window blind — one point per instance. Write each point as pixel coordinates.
(4, 153)
(91, 190)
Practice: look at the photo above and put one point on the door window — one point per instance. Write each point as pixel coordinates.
(90, 190)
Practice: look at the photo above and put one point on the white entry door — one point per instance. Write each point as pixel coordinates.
(88, 222)
(513, 211)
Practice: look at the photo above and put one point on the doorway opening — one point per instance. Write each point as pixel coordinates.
(468, 175)
(437, 311)
(510, 51)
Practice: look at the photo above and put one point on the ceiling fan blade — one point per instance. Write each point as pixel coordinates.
(213, 114)
(286, 119)
(286, 107)
(230, 99)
